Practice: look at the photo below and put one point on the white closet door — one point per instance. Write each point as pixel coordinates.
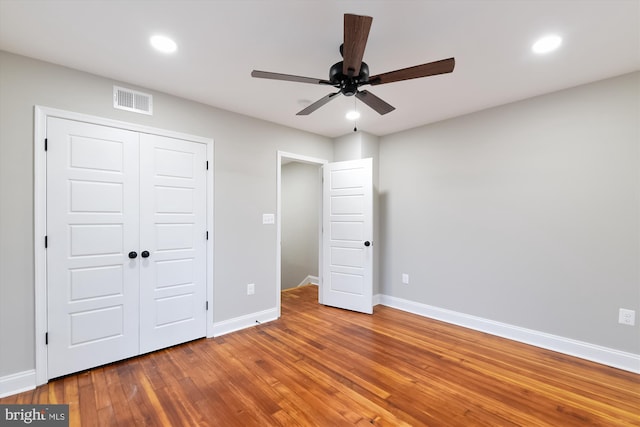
(92, 224)
(173, 232)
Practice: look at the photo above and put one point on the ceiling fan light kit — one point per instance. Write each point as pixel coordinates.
(547, 44)
(352, 115)
(351, 73)
(163, 44)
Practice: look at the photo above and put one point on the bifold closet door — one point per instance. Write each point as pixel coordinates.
(92, 225)
(173, 232)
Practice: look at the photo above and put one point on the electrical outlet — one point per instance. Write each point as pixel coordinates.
(405, 278)
(251, 288)
(627, 317)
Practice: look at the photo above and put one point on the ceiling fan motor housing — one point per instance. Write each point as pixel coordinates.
(348, 85)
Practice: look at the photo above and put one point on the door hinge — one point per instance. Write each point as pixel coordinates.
(46, 242)
(207, 164)
(45, 144)
(206, 306)
(46, 338)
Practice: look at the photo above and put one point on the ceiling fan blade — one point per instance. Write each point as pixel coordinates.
(288, 77)
(356, 32)
(374, 102)
(319, 103)
(431, 69)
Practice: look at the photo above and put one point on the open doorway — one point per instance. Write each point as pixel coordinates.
(300, 210)
(299, 225)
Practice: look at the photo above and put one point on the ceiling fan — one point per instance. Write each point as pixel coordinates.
(349, 74)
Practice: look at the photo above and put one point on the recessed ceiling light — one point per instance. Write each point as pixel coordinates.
(353, 115)
(547, 44)
(163, 44)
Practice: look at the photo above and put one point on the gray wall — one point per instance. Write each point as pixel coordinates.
(300, 216)
(526, 214)
(245, 188)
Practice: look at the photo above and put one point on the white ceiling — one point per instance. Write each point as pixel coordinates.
(220, 42)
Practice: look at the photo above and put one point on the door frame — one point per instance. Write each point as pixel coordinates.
(301, 159)
(41, 114)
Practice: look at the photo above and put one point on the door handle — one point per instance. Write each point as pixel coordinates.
(133, 254)
(367, 243)
(144, 254)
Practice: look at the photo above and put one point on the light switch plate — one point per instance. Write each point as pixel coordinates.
(268, 219)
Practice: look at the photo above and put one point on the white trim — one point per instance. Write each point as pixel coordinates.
(313, 280)
(595, 353)
(86, 118)
(243, 322)
(40, 216)
(39, 231)
(303, 159)
(17, 383)
(376, 299)
(211, 236)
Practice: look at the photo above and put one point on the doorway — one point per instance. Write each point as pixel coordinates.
(345, 255)
(299, 227)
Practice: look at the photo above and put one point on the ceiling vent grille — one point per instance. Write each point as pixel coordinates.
(132, 100)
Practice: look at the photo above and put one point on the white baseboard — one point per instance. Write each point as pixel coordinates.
(242, 322)
(26, 380)
(17, 383)
(377, 298)
(314, 280)
(595, 353)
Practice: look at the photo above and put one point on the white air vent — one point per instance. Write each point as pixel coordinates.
(131, 100)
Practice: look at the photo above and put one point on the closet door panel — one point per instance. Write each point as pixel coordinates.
(173, 232)
(92, 225)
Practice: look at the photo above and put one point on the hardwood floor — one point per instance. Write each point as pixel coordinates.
(320, 366)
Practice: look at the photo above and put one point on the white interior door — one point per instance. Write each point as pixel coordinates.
(92, 224)
(173, 232)
(126, 235)
(347, 261)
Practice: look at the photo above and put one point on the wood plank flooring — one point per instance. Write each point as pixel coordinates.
(320, 366)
